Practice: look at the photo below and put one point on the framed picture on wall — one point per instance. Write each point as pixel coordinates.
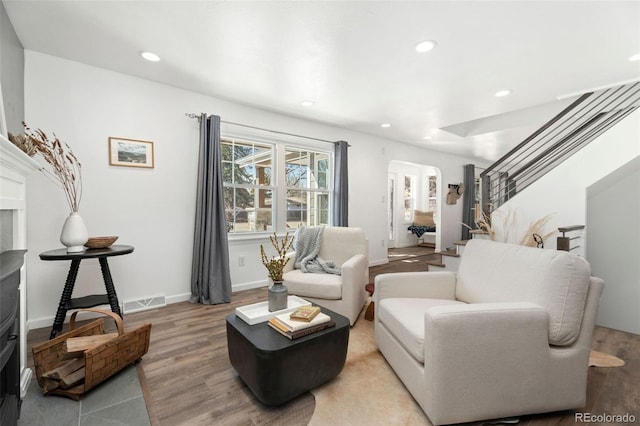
(130, 152)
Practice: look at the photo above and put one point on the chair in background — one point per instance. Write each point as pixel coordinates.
(345, 293)
(509, 334)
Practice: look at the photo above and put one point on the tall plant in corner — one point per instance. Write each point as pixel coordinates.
(64, 171)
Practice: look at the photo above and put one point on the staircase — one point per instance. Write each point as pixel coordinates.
(586, 118)
(450, 259)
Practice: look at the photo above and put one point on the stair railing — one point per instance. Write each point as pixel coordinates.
(586, 118)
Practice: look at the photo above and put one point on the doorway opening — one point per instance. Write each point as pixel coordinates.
(413, 188)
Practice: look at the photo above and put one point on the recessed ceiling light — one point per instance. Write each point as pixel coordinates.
(427, 138)
(503, 93)
(635, 57)
(385, 125)
(307, 103)
(149, 56)
(425, 46)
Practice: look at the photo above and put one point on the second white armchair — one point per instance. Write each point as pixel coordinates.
(508, 335)
(345, 293)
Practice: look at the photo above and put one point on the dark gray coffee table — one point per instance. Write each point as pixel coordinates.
(277, 369)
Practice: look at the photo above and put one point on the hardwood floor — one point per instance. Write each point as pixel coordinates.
(186, 376)
(406, 259)
(183, 383)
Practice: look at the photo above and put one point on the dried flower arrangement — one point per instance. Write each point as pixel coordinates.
(536, 228)
(24, 143)
(66, 171)
(484, 223)
(275, 265)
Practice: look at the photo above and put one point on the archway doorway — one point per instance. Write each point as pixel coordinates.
(412, 187)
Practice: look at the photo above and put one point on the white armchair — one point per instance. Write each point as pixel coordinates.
(509, 334)
(345, 293)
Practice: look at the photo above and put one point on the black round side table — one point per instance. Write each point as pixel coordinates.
(66, 302)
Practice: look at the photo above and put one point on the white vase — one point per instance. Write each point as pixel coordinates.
(74, 233)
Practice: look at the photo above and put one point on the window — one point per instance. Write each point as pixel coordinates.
(247, 170)
(432, 200)
(307, 186)
(408, 198)
(254, 174)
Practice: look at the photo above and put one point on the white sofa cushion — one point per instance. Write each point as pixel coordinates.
(404, 319)
(323, 286)
(497, 272)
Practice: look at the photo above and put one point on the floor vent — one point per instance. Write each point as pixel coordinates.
(144, 304)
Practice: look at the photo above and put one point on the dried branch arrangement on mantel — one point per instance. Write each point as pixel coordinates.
(66, 171)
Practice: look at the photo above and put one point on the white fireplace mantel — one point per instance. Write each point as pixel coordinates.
(15, 166)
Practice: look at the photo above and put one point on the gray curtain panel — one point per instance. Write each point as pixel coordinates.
(210, 274)
(341, 185)
(468, 200)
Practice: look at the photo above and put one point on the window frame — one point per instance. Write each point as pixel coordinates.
(254, 186)
(408, 212)
(279, 146)
(310, 191)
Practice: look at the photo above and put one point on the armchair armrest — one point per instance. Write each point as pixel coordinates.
(433, 285)
(354, 276)
(478, 349)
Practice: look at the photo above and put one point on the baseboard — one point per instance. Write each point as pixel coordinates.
(184, 297)
(43, 322)
(407, 244)
(138, 305)
(177, 298)
(250, 285)
(47, 322)
(379, 262)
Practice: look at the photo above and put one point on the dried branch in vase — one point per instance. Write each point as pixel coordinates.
(24, 143)
(484, 223)
(65, 169)
(275, 265)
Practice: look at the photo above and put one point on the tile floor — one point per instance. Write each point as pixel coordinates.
(116, 402)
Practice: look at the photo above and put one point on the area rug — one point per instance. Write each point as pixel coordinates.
(599, 359)
(367, 391)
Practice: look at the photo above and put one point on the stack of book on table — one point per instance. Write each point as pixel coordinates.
(301, 322)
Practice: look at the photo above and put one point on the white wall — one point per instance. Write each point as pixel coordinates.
(11, 74)
(562, 192)
(153, 209)
(613, 213)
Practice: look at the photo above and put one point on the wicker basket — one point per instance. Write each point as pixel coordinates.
(100, 362)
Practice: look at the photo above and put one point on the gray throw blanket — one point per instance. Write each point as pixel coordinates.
(307, 246)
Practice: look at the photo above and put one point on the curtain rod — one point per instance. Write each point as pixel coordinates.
(197, 116)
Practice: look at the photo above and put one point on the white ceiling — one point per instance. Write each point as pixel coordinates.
(356, 59)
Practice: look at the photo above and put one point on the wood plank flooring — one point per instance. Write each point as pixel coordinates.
(186, 376)
(185, 384)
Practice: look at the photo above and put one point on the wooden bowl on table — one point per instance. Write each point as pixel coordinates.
(100, 242)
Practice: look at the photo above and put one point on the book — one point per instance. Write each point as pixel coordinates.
(305, 313)
(292, 325)
(302, 332)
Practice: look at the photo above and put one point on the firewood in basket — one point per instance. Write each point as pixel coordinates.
(49, 384)
(74, 345)
(72, 379)
(64, 369)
